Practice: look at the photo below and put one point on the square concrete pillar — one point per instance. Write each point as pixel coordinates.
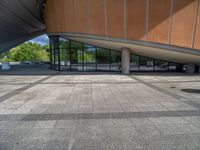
(125, 61)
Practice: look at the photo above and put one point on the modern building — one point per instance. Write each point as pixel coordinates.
(108, 35)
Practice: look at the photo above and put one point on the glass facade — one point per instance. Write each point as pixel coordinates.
(103, 59)
(66, 55)
(115, 60)
(54, 53)
(161, 65)
(89, 57)
(134, 63)
(146, 64)
(76, 56)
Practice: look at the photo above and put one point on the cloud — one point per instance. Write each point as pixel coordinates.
(42, 40)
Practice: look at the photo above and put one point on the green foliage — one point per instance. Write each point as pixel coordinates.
(103, 55)
(64, 44)
(27, 52)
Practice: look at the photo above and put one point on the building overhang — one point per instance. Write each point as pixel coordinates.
(20, 21)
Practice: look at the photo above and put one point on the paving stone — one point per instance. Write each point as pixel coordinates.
(98, 111)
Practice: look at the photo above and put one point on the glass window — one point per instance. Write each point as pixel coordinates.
(172, 66)
(161, 65)
(115, 60)
(103, 59)
(54, 41)
(89, 58)
(64, 59)
(64, 54)
(76, 57)
(146, 64)
(134, 62)
(63, 43)
(51, 57)
(71, 55)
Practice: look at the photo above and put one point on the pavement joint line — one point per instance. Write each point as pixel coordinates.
(173, 95)
(4, 83)
(90, 83)
(28, 86)
(98, 116)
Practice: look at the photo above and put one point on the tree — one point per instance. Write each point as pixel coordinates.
(28, 52)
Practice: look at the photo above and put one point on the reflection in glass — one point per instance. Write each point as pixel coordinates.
(54, 44)
(146, 64)
(89, 58)
(64, 54)
(63, 43)
(134, 62)
(76, 56)
(161, 65)
(71, 55)
(172, 66)
(115, 60)
(103, 59)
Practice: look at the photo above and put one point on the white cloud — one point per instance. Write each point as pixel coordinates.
(42, 40)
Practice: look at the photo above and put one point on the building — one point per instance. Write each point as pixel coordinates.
(109, 35)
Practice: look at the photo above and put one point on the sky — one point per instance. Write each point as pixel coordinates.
(43, 40)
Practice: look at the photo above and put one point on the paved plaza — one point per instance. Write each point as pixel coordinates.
(43, 109)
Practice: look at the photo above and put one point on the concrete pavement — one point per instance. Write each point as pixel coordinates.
(43, 109)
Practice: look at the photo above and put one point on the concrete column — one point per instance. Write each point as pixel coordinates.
(190, 68)
(125, 61)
